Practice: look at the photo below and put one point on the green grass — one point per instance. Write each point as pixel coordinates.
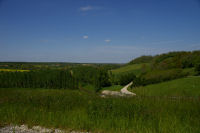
(191, 71)
(189, 86)
(113, 88)
(76, 110)
(136, 68)
(89, 87)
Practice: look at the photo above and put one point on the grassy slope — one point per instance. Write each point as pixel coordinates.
(189, 86)
(136, 68)
(76, 110)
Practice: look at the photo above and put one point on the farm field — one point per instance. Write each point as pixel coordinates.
(188, 87)
(80, 111)
(13, 70)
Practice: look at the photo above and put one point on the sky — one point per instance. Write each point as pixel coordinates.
(96, 31)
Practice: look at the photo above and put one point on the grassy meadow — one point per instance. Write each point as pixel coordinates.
(77, 110)
(135, 68)
(189, 87)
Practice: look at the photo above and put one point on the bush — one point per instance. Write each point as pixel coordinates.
(158, 76)
(197, 68)
(101, 79)
(126, 78)
(137, 82)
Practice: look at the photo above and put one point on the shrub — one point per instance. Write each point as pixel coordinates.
(197, 68)
(126, 78)
(157, 76)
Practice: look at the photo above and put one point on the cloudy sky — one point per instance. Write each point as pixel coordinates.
(114, 31)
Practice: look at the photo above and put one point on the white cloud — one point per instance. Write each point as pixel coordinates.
(107, 40)
(86, 8)
(85, 37)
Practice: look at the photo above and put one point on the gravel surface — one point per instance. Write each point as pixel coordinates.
(34, 129)
(123, 92)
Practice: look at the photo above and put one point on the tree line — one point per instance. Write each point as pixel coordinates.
(72, 78)
(39, 79)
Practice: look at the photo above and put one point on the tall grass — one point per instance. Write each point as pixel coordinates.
(135, 68)
(76, 110)
(187, 87)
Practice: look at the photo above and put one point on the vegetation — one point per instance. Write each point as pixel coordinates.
(75, 110)
(13, 70)
(184, 87)
(61, 79)
(113, 88)
(134, 68)
(126, 78)
(158, 76)
(159, 68)
(96, 76)
(170, 60)
(166, 100)
(142, 59)
(56, 78)
(127, 73)
(51, 65)
(197, 68)
(176, 60)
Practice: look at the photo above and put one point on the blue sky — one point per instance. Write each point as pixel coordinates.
(113, 31)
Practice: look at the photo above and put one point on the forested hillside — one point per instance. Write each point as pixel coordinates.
(158, 68)
(170, 60)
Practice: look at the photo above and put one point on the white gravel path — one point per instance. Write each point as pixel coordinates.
(123, 92)
(34, 129)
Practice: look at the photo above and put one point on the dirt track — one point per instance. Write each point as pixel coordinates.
(123, 92)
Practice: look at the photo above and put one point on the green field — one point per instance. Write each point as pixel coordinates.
(189, 86)
(79, 111)
(135, 68)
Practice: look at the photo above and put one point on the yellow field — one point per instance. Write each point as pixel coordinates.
(13, 70)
